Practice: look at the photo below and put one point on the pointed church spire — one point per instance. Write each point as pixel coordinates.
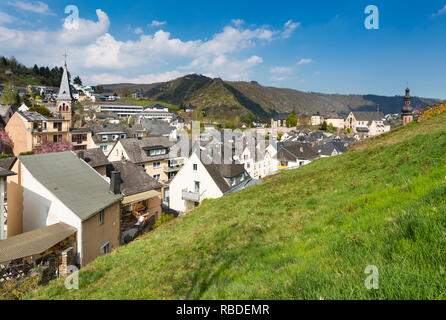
(65, 88)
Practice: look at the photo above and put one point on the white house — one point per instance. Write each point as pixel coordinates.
(369, 123)
(197, 181)
(257, 165)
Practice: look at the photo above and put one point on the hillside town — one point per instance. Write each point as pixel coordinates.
(82, 182)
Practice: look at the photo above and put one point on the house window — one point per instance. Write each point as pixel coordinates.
(104, 148)
(104, 138)
(157, 177)
(195, 167)
(123, 136)
(233, 180)
(115, 137)
(197, 187)
(101, 218)
(156, 165)
(105, 249)
(157, 152)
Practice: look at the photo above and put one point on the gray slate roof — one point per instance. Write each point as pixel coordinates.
(94, 157)
(134, 179)
(72, 181)
(300, 151)
(7, 163)
(135, 148)
(106, 128)
(156, 127)
(368, 116)
(220, 171)
(34, 242)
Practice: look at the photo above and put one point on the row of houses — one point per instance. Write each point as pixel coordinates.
(370, 123)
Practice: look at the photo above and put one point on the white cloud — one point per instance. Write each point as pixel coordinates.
(278, 78)
(289, 28)
(440, 12)
(156, 23)
(304, 61)
(34, 6)
(138, 31)
(237, 22)
(100, 57)
(278, 70)
(105, 78)
(87, 31)
(5, 18)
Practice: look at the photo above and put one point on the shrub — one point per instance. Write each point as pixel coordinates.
(163, 219)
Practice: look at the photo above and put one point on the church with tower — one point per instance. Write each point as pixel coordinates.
(407, 110)
(28, 129)
(65, 100)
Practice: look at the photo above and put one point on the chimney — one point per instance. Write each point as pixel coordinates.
(81, 154)
(115, 182)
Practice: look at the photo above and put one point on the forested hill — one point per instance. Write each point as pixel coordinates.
(238, 98)
(14, 73)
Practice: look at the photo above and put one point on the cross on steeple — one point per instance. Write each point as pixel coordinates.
(65, 55)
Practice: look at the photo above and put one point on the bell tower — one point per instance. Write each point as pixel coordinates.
(407, 110)
(65, 100)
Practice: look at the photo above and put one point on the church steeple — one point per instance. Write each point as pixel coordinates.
(407, 110)
(407, 97)
(65, 88)
(65, 98)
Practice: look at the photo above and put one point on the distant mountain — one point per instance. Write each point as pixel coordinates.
(228, 98)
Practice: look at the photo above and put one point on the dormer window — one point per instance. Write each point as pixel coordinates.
(104, 138)
(157, 152)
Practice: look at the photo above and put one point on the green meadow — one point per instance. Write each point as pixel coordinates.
(305, 234)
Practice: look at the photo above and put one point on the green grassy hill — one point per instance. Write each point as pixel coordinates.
(306, 234)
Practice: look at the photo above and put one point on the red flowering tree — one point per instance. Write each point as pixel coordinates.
(6, 143)
(50, 147)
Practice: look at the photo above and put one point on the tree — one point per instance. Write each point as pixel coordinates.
(6, 143)
(291, 120)
(10, 95)
(324, 126)
(49, 147)
(42, 110)
(77, 81)
(131, 121)
(26, 100)
(99, 89)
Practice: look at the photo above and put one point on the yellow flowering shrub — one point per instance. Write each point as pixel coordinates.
(432, 111)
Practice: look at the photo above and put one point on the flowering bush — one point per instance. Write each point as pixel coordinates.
(432, 111)
(50, 147)
(6, 143)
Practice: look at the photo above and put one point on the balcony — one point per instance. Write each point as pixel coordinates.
(190, 196)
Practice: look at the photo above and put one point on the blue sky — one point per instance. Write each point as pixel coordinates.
(319, 46)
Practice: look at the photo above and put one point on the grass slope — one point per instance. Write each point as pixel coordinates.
(307, 234)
